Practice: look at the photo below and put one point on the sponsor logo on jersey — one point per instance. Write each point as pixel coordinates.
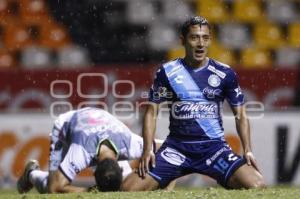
(211, 93)
(195, 110)
(208, 162)
(179, 79)
(238, 91)
(75, 167)
(216, 71)
(214, 80)
(172, 156)
(215, 156)
(162, 91)
(174, 70)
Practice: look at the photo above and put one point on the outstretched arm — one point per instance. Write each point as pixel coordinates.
(243, 129)
(58, 183)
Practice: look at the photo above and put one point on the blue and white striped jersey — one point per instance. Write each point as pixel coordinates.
(196, 97)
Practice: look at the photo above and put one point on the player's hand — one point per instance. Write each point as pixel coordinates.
(146, 159)
(251, 160)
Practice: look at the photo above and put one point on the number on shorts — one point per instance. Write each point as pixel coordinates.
(232, 157)
(221, 165)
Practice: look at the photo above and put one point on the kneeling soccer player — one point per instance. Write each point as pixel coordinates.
(88, 137)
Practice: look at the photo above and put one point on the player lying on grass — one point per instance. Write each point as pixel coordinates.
(80, 139)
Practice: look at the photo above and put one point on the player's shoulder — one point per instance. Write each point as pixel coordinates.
(219, 65)
(172, 66)
(167, 66)
(220, 68)
(65, 117)
(172, 63)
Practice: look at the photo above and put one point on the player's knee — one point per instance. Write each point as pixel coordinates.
(257, 183)
(134, 183)
(136, 187)
(128, 185)
(54, 187)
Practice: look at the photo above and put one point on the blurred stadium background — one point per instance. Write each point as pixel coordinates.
(59, 55)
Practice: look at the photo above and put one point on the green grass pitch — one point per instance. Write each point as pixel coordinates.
(178, 193)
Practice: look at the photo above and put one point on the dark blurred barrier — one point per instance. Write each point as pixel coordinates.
(27, 89)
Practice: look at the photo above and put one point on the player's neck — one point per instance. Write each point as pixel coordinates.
(106, 152)
(195, 64)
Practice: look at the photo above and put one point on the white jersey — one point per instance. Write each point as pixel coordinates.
(77, 135)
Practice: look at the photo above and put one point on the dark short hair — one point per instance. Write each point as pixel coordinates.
(108, 175)
(197, 20)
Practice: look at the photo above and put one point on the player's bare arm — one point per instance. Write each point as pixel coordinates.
(134, 165)
(148, 136)
(248, 175)
(243, 129)
(58, 183)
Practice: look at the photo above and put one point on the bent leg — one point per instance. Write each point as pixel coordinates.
(135, 183)
(170, 186)
(246, 177)
(56, 182)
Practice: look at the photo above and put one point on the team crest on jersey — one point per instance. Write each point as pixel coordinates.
(214, 80)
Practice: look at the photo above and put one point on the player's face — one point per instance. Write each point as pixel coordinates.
(196, 44)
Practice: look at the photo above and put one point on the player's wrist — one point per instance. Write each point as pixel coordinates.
(147, 152)
(147, 149)
(247, 150)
